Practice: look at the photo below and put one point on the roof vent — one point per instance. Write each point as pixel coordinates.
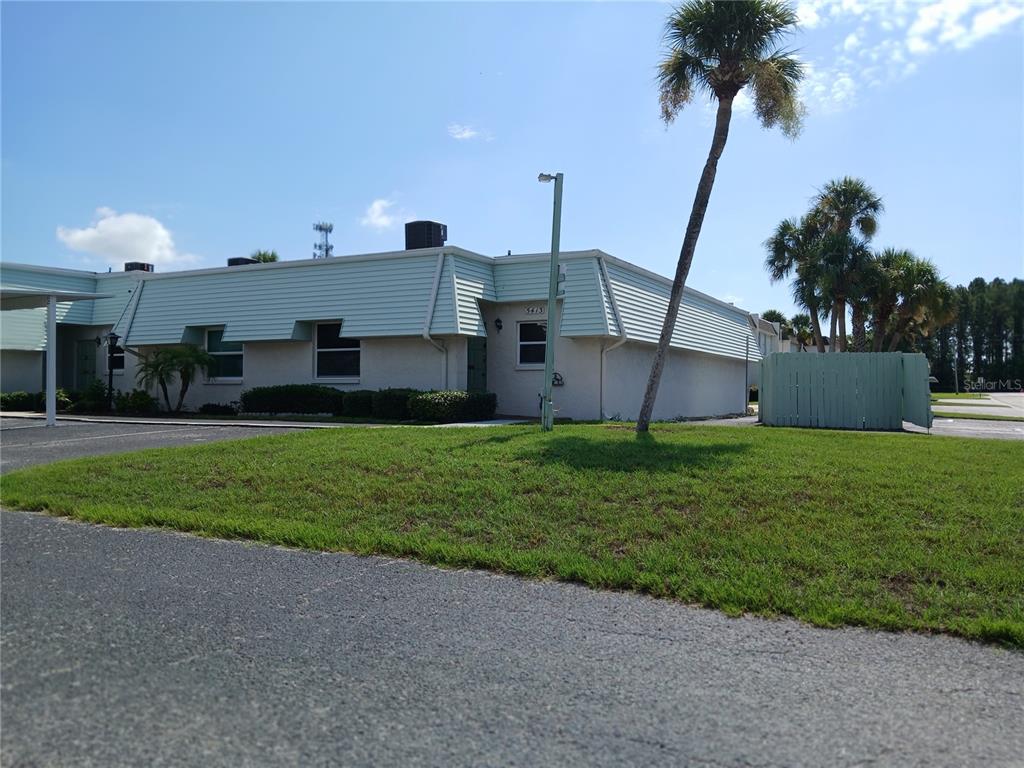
(137, 266)
(241, 261)
(425, 234)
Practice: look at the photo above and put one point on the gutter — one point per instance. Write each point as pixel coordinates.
(622, 334)
(430, 316)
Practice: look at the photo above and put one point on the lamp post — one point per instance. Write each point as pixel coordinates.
(547, 412)
(112, 339)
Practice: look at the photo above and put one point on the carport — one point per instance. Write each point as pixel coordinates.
(19, 297)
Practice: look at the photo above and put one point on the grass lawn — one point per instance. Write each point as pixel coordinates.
(977, 416)
(884, 530)
(959, 396)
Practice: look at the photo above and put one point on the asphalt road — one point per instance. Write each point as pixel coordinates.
(26, 442)
(152, 648)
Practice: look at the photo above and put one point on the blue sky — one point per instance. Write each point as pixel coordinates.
(188, 133)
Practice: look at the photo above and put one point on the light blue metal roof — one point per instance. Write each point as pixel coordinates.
(403, 293)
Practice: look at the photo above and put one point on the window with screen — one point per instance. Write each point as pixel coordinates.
(227, 356)
(532, 338)
(336, 356)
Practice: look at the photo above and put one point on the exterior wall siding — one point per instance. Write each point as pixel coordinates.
(21, 370)
(703, 324)
(693, 384)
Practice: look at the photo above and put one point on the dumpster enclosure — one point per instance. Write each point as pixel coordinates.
(872, 390)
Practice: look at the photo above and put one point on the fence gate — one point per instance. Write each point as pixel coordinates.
(874, 390)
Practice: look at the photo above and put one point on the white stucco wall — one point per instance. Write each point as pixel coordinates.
(517, 388)
(21, 371)
(693, 384)
(385, 362)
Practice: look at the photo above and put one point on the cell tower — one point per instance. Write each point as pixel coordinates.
(323, 249)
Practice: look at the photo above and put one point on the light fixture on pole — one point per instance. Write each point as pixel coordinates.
(547, 411)
(112, 339)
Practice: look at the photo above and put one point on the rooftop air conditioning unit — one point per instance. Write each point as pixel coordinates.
(425, 234)
(137, 266)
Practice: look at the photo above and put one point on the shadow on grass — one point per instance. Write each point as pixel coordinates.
(643, 453)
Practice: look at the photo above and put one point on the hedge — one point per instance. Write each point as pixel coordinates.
(449, 406)
(32, 401)
(293, 398)
(358, 402)
(392, 403)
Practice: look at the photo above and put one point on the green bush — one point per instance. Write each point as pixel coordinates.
(218, 409)
(392, 403)
(138, 402)
(92, 399)
(293, 398)
(19, 401)
(450, 406)
(358, 402)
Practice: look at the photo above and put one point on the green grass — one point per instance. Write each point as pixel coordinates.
(892, 531)
(975, 416)
(959, 396)
(992, 404)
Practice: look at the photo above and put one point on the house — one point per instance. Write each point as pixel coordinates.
(428, 318)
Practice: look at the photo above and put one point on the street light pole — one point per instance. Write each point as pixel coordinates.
(112, 339)
(547, 412)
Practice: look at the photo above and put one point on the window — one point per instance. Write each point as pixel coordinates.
(227, 356)
(336, 357)
(116, 359)
(531, 344)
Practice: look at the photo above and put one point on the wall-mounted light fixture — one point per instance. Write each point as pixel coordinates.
(498, 325)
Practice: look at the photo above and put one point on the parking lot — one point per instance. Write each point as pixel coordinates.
(26, 442)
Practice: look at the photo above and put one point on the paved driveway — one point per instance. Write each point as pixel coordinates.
(25, 442)
(150, 648)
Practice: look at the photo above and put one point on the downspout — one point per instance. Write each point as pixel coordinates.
(430, 316)
(622, 335)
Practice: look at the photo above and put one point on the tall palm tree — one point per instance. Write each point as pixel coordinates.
(846, 212)
(925, 301)
(719, 48)
(775, 316)
(795, 249)
(881, 291)
(801, 325)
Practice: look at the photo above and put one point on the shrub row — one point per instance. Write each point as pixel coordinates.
(446, 407)
(33, 401)
(391, 404)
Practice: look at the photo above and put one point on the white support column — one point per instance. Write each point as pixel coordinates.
(51, 361)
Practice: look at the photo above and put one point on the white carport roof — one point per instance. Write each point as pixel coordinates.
(21, 297)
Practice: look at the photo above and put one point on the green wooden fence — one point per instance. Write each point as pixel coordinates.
(877, 390)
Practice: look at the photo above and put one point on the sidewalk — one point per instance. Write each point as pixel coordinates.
(254, 423)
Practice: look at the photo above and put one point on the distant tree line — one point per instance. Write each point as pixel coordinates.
(985, 339)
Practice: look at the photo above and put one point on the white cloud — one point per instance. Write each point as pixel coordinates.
(462, 132)
(885, 42)
(125, 237)
(377, 216)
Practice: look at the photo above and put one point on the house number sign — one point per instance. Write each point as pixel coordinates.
(535, 309)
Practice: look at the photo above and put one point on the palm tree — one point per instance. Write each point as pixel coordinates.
(775, 316)
(189, 360)
(881, 292)
(157, 367)
(801, 325)
(719, 48)
(846, 212)
(160, 367)
(795, 249)
(264, 256)
(925, 301)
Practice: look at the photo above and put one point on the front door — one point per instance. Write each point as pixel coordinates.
(85, 364)
(476, 364)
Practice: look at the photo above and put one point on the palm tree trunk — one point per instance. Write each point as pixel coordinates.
(181, 395)
(700, 207)
(819, 342)
(167, 397)
(881, 322)
(860, 335)
(832, 339)
(842, 325)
